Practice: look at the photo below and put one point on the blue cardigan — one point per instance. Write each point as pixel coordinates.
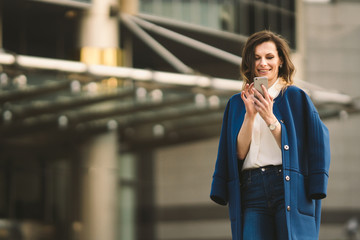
(305, 157)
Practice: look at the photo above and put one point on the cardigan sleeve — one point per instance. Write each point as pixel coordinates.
(319, 154)
(219, 192)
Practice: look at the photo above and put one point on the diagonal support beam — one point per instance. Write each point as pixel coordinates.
(157, 47)
(231, 58)
(168, 22)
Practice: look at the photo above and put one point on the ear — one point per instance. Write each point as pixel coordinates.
(281, 63)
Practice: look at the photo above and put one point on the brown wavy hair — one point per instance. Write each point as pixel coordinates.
(247, 68)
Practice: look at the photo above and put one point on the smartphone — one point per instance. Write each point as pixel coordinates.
(258, 81)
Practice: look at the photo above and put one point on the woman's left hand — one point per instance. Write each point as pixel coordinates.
(264, 105)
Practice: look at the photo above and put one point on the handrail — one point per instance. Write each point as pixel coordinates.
(178, 79)
(120, 72)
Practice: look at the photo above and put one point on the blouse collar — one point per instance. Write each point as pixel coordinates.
(275, 89)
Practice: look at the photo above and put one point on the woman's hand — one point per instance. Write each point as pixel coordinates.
(245, 134)
(247, 95)
(264, 105)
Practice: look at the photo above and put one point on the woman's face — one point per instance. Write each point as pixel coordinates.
(267, 61)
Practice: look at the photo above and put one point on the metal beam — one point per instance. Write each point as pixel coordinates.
(238, 38)
(231, 58)
(158, 117)
(153, 44)
(70, 121)
(19, 113)
(173, 79)
(31, 92)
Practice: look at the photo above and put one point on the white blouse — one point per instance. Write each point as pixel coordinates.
(263, 149)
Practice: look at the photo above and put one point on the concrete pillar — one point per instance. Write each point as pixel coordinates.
(99, 34)
(129, 6)
(99, 188)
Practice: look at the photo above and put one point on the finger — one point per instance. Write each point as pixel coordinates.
(256, 101)
(243, 96)
(265, 91)
(247, 87)
(251, 88)
(257, 106)
(257, 94)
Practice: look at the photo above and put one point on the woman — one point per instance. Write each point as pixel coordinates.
(273, 157)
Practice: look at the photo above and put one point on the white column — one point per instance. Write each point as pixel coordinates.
(129, 6)
(99, 186)
(99, 33)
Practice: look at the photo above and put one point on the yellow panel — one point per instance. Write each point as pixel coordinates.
(102, 56)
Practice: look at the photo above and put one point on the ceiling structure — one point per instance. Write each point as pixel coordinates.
(47, 103)
(170, 45)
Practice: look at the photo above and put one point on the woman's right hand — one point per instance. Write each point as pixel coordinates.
(247, 96)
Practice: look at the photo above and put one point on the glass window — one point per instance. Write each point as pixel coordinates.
(186, 10)
(240, 16)
(166, 8)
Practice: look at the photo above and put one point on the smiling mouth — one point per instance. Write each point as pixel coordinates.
(263, 71)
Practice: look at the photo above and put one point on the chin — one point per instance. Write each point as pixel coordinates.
(263, 75)
(268, 75)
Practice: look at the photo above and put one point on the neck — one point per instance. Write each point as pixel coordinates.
(272, 82)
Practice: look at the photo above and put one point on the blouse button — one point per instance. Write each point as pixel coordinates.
(288, 208)
(286, 147)
(287, 178)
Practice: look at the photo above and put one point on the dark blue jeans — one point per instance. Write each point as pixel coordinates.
(263, 204)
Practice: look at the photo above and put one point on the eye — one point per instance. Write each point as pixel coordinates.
(270, 57)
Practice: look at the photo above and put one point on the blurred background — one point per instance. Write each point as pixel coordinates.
(111, 111)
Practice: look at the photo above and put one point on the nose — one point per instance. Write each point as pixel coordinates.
(263, 62)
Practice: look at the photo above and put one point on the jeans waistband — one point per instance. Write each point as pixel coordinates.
(261, 170)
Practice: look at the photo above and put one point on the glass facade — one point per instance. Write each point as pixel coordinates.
(239, 16)
(85, 1)
(201, 12)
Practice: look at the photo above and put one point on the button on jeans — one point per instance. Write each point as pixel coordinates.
(263, 204)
